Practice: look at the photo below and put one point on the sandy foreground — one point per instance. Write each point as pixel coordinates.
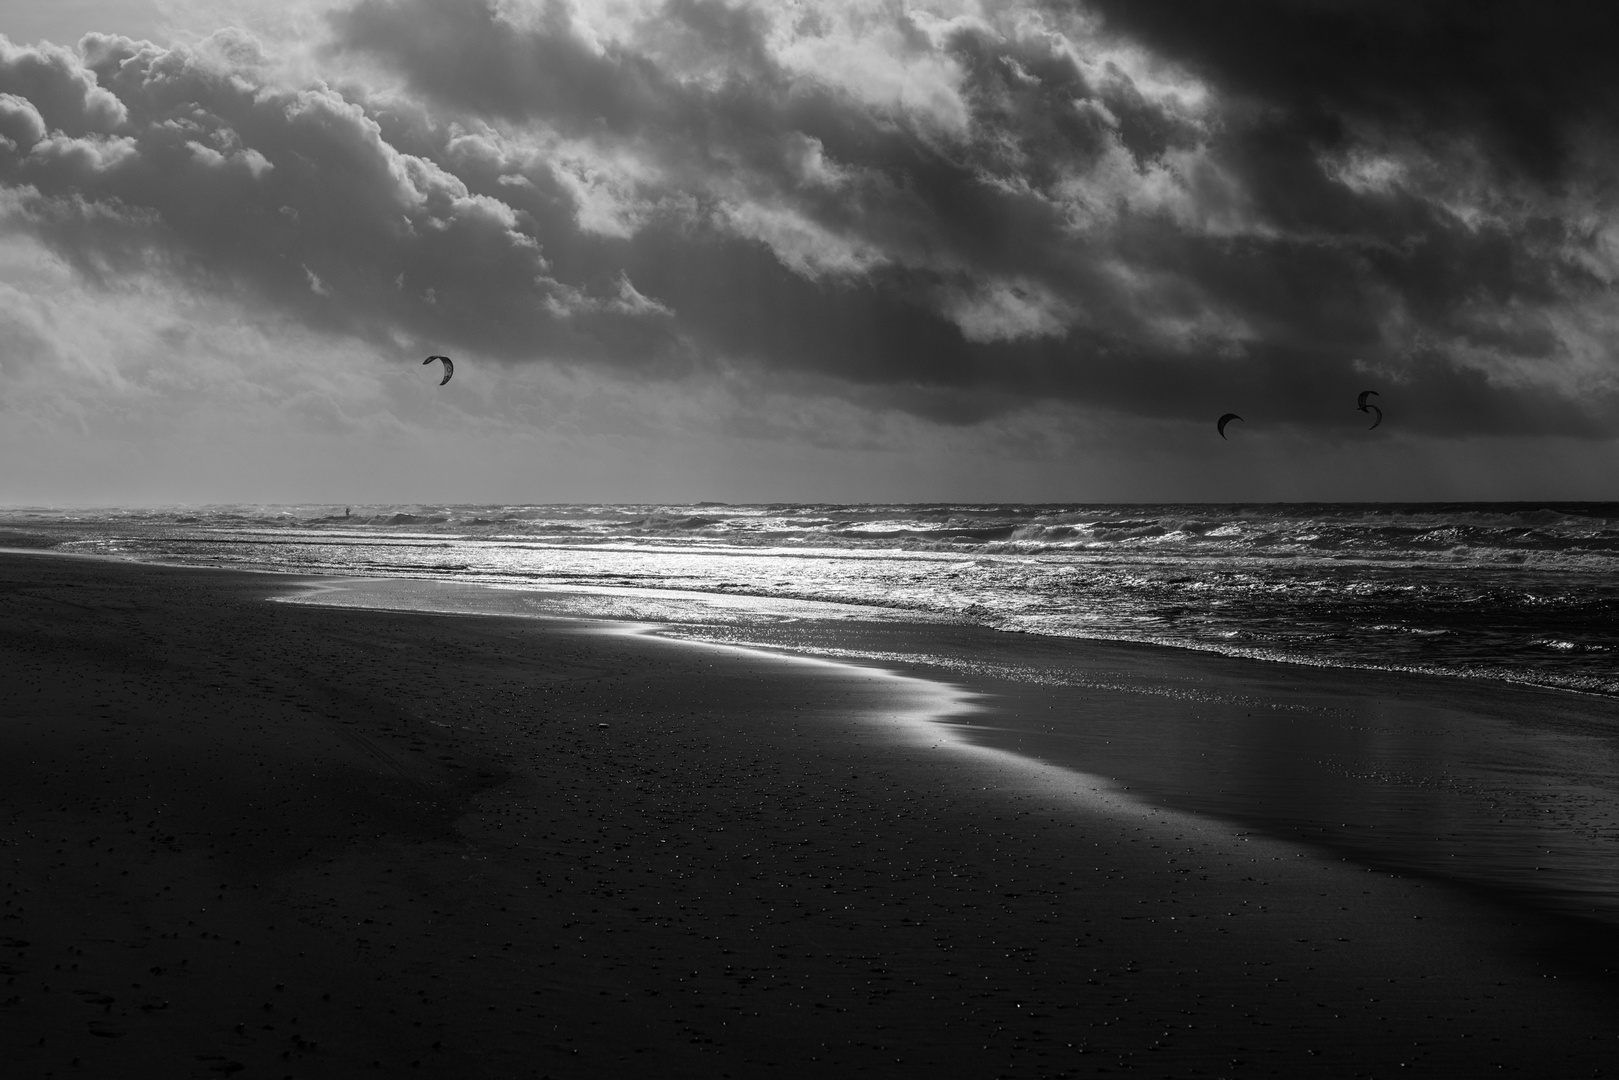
(266, 840)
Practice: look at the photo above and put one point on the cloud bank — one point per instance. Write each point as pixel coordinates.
(1152, 208)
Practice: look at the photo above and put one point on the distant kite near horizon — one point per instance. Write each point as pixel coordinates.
(1224, 420)
(1361, 404)
(449, 367)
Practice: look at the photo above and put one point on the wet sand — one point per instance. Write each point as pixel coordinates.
(258, 839)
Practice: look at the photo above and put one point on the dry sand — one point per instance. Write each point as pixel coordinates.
(274, 840)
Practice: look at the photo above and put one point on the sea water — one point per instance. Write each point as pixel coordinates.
(1524, 592)
(1513, 790)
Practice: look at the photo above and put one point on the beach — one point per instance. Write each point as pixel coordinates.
(268, 839)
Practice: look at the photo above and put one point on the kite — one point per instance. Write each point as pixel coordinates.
(1224, 420)
(449, 367)
(1360, 403)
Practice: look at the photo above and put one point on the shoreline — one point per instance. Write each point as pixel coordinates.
(742, 868)
(1134, 680)
(1591, 877)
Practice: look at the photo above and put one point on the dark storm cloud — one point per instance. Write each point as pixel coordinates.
(137, 154)
(1526, 80)
(1170, 209)
(1080, 235)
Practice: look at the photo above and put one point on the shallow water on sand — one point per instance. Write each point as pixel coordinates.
(1508, 790)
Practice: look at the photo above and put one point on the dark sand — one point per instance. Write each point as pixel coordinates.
(273, 840)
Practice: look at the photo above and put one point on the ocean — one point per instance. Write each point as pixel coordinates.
(1521, 592)
(1425, 688)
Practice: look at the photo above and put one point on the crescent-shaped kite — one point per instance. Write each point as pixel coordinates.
(1360, 402)
(449, 367)
(1379, 412)
(1224, 420)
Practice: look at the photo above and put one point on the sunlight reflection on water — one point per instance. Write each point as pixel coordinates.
(1525, 593)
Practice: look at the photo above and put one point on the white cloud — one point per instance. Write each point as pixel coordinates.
(801, 243)
(316, 285)
(1007, 311)
(20, 121)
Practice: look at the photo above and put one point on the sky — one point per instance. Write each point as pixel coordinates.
(806, 251)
